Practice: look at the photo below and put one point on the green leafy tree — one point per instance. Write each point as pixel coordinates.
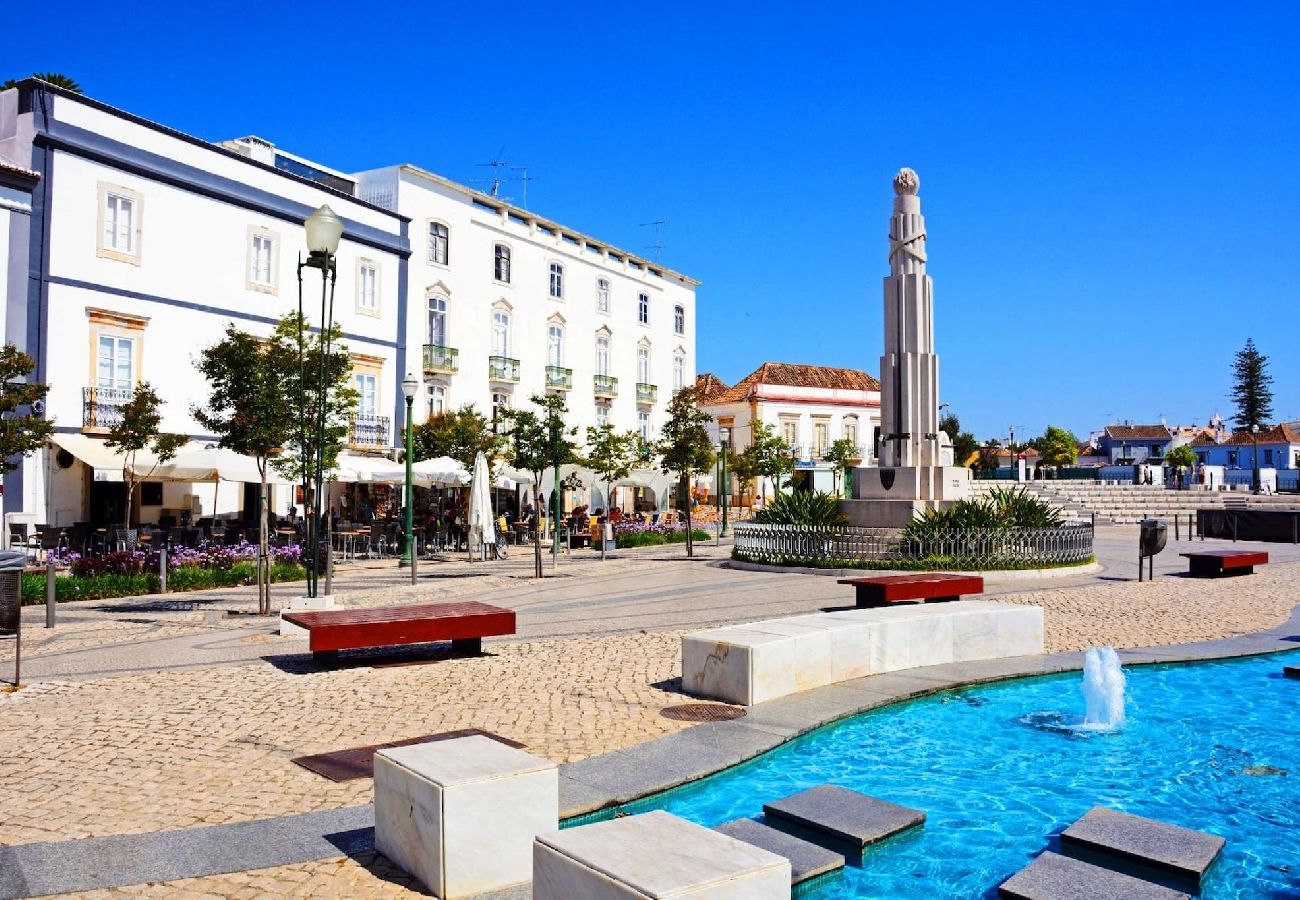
(611, 455)
(771, 456)
(685, 447)
(1181, 457)
(251, 412)
(988, 458)
(538, 442)
(741, 467)
(1057, 447)
(1251, 388)
(54, 78)
(21, 432)
(963, 442)
(841, 454)
(140, 429)
(461, 434)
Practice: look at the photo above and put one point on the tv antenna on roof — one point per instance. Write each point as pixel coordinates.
(497, 164)
(657, 248)
(525, 178)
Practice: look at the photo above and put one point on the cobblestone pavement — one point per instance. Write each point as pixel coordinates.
(177, 748)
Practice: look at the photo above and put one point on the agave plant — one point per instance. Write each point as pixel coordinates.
(1021, 509)
(801, 508)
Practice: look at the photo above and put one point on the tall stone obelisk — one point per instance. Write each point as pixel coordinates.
(916, 469)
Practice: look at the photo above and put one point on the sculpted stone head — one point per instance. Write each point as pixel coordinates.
(906, 182)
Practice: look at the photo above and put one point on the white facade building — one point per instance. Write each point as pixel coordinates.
(809, 407)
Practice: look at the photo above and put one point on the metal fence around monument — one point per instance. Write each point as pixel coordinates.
(957, 548)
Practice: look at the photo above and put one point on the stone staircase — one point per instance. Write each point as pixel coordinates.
(1126, 504)
(1073, 511)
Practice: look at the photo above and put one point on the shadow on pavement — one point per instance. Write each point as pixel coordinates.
(376, 658)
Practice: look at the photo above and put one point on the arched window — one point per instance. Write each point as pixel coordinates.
(555, 345)
(500, 333)
(679, 372)
(643, 365)
(438, 243)
(557, 281)
(643, 309)
(850, 427)
(501, 264)
(602, 295)
(602, 354)
(437, 321)
(679, 320)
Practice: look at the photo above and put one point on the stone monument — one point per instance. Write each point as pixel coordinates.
(916, 470)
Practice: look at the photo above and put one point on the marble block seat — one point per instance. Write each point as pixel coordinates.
(1120, 839)
(807, 860)
(461, 815)
(1055, 877)
(842, 816)
(657, 855)
(748, 664)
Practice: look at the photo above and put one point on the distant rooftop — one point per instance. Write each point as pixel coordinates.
(794, 375)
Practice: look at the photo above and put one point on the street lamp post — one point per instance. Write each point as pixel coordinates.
(324, 230)
(725, 488)
(1254, 458)
(409, 387)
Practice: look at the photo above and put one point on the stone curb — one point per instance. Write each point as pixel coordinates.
(997, 576)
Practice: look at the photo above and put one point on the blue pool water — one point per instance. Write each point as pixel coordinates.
(1205, 746)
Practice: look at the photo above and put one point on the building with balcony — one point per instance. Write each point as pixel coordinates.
(809, 407)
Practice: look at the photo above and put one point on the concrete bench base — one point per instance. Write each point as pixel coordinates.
(748, 664)
(654, 855)
(461, 815)
(1055, 877)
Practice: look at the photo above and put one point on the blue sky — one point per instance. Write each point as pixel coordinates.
(1111, 190)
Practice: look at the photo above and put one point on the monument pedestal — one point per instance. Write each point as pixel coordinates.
(891, 497)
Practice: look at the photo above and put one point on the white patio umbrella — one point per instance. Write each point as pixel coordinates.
(210, 464)
(441, 471)
(482, 523)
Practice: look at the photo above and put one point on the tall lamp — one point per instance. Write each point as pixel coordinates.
(1254, 458)
(409, 387)
(724, 488)
(324, 230)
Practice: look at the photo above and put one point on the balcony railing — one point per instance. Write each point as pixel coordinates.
(440, 360)
(102, 407)
(646, 393)
(368, 431)
(605, 386)
(503, 368)
(559, 378)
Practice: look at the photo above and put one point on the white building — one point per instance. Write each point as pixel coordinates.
(809, 407)
(17, 184)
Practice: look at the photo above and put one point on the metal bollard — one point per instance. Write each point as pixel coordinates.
(415, 557)
(51, 591)
(1177, 523)
(162, 569)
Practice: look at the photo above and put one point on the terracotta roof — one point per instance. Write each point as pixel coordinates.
(1278, 434)
(1139, 432)
(707, 385)
(798, 375)
(1204, 440)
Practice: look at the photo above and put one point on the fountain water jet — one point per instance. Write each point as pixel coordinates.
(1103, 689)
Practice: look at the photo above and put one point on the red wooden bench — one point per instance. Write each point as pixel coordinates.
(879, 590)
(464, 624)
(1210, 563)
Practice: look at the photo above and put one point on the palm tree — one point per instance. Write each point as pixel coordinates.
(55, 78)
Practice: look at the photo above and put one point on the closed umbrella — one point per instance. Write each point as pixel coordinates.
(482, 525)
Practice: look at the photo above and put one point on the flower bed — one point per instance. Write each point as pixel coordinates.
(629, 533)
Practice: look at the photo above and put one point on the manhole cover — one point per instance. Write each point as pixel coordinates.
(702, 712)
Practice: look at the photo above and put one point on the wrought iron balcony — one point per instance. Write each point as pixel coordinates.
(368, 431)
(440, 360)
(605, 386)
(559, 378)
(646, 393)
(503, 368)
(102, 407)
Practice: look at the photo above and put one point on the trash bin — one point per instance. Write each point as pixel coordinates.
(1152, 537)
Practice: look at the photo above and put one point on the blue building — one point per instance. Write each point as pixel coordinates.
(1125, 445)
(1278, 448)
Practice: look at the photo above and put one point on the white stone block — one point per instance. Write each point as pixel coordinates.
(303, 604)
(975, 635)
(738, 665)
(461, 815)
(654, 855)
(1020, 631)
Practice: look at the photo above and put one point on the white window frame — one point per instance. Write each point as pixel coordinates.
(430, 312)
(121, 347)
(679, 372)
(603, 349)
(509, 258)
(679, 319)
(643, 423)
(359, 382)
(602, 413)
(363, 308)
(556, 287)
(433, 240)
(602, 296)
(500, 402)
(107, 249)
(643, 308)
(643, 369)
(500, 317)
(435, 392)
(265, 236)
(555, 345)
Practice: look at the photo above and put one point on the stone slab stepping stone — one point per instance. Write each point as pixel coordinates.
(807, 860)
(1056, 877)
(844, 815)
(1160, 846)
(1291, 671)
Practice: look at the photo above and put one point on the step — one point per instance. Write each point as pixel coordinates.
(1125, 838)
(843, 815)
(1055, 877)
(807, 860)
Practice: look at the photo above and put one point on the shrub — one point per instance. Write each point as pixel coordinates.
(1003, 508)
(801, 508)
(186, 577)
(633, 533)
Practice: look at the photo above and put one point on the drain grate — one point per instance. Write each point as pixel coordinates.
(702, 712)
(359, 762)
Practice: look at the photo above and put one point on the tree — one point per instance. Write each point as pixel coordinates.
(964, 444)
(742, 468)
(611, 455)
(988, 458)
(54, 78)
(251, 412)
(1057, 447)
(461, 434)
(770, 455)
(840, 454)
(1251, 388)
(21, 432)
(140, 429)
(538, 443)
(684, 447)
(1181, 457)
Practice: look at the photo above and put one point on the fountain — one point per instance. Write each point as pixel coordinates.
(1103, 689)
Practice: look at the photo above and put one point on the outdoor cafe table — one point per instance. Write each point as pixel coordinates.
(348, 543)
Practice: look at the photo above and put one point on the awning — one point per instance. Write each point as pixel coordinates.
(199, 462)
(105, 462)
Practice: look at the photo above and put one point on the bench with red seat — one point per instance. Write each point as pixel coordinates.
(1213, 563)
(464, 624)
(881, 590)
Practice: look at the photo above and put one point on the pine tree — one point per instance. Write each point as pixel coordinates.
(1251, 388)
